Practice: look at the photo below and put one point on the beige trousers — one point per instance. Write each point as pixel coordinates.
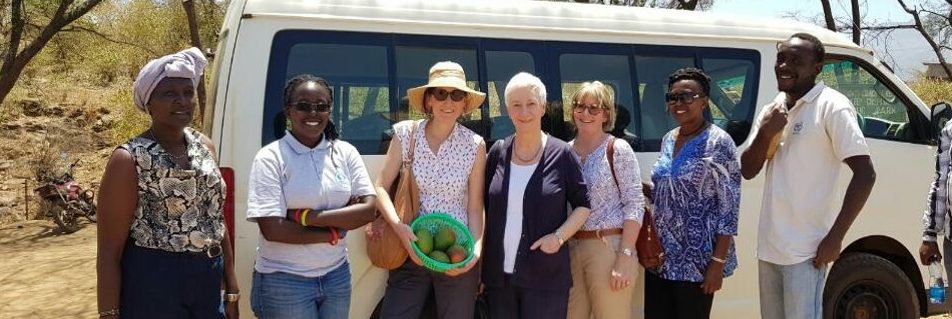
(591, 295)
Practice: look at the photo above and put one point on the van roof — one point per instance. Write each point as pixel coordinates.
(550, 17)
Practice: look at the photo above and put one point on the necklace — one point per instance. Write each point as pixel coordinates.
(698, 130)
(533, 157)
(183, 156)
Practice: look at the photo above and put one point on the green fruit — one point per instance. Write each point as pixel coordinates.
(445, 238)
(424, 241)
(440, 256)
(457, 253)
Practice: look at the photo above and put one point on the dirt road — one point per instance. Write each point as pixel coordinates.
(46, 274)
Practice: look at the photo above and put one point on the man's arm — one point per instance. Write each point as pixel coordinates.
(753, 158)
(861, 185)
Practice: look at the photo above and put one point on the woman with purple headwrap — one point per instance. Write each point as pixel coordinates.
(163, 251)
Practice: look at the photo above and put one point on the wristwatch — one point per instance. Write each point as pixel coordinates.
(232, 297)
(626, 252)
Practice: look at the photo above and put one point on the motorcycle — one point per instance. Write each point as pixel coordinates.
(66, 201)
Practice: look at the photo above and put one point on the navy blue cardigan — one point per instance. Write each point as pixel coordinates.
(556, 183)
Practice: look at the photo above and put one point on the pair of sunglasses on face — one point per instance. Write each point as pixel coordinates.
(308, 107)
(683, 97)
(442, 94)
(593, 109)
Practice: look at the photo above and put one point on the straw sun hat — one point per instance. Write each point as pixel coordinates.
(446, 74)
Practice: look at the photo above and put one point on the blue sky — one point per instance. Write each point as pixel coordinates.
(906, 49)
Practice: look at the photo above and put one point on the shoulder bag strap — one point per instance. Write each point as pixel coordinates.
(610, 152)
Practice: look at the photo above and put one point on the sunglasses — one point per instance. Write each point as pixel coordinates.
(308, 107)
(593, 109)
(441, 94)
(683, 97)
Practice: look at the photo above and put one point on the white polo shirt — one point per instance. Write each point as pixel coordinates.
(802, 191)
(287, 174)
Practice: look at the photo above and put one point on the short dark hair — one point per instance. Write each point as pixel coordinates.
(330, 131)
(695, 74)
(818, 50)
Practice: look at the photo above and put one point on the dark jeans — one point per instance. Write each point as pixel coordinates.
(162, 284)
(409, 286)
(511, 302)
(668, 299)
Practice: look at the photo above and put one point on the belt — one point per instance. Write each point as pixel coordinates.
(597, 234)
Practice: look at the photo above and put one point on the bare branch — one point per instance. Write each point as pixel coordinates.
(107, 38)
(16, 32)
(922, 30)
(888, 27)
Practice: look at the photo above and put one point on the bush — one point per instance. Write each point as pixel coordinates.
(932, 91)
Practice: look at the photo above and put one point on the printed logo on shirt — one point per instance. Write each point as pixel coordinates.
(797, 128)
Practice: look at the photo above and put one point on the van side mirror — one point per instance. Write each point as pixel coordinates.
(941, 113)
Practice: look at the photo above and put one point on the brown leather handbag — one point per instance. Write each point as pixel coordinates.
(383, 245)
(650, 251)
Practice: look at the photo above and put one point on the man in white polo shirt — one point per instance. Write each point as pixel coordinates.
(803, 218)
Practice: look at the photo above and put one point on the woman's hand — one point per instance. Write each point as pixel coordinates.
(713, 277)
(550, 244)
(621, 276)
(407, 237)
(465, 268)
(231, 310)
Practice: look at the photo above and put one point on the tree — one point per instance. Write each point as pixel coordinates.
(193, 32)
(828, 15)
(14, 59)
(915, 12)
(856, 22)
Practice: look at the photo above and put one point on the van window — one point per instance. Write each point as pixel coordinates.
(612, 70)
(653, 72)
(413, 66)
(732, 97)
(880, 112)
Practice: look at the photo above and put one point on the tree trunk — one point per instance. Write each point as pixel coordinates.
(925, 34)
(828, 15)
(14, 61)
(688, 4)
(856, 22)
(189, 6)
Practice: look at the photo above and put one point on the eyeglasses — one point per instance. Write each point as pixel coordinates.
(441, 94)
(683, 97)
(593, 109)
(308, 107)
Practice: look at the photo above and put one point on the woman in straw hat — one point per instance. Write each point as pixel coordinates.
(163, 251)
(531, 178)
(449, 162)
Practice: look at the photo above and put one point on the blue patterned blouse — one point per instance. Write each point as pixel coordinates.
(696, 198)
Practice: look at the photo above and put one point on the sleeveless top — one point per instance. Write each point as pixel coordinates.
(443, 178)
(178, 209)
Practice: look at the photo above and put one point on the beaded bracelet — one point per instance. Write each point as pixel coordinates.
(109, 313)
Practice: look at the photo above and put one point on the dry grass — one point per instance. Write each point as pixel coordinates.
(932, 90)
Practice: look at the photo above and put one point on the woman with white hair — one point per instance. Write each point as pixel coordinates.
(448, 166)
(163, 251)
(530, 178)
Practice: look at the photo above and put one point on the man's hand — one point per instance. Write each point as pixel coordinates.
(929, 251)
(827, 252)
(774, 122)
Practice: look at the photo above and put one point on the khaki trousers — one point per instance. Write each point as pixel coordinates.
(591, 295)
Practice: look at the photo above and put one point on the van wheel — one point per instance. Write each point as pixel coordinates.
(867, 286)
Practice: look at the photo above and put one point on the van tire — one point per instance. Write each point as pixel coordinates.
(863, 285)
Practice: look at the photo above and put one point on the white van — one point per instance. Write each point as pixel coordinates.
(372, 51)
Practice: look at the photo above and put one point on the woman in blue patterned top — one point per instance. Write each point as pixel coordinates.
(697, 194)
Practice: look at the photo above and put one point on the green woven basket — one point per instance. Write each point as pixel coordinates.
(433, 222)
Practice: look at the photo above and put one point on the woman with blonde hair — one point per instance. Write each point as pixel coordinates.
(604, 265)
(448, 166)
